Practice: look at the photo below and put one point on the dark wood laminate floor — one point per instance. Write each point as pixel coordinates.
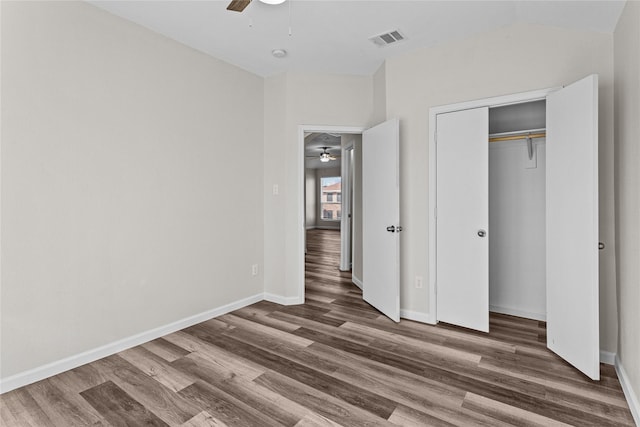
(332, 361)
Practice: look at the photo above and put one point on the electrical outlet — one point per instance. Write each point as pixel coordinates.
(254, 270)
(418, 282)
(276, 189)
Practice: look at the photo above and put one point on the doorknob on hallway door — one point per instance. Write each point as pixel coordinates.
(391, 229)
(482, 233)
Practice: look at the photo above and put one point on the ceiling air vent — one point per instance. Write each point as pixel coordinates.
(387, 38)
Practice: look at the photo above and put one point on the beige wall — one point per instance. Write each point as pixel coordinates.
(308, 99)
(627, 177)
(132, 172)
(380, 95)
(509, 60)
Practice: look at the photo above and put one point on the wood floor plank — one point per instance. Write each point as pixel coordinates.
(225, 359)
(119, 408)
(291, 352)
(225, 407)
(61, 408)
(384, 339)
(557, 383)
(284, 337)
(245, 390)
(163, 402)
(316, 421)
(261, 316)
(329, 406)
(332, 361)
(508, 413)
(345, 333)
(204, 419)
(313, 378)
(165, 349)
(23, 409)
(157, 368)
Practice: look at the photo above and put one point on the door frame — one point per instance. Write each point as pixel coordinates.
(346, 232)
(302, 129)
(491, 102)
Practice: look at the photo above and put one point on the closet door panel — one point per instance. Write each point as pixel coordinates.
(462, 273)
(572, 225)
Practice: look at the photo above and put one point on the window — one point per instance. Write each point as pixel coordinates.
(330, 197)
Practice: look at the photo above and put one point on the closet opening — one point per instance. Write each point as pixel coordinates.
(517, 232)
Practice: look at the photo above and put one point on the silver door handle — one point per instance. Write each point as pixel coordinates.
(391, 229)
(482, 233)
(601, 246)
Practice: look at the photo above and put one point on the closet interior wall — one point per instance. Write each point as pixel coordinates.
(517, 266)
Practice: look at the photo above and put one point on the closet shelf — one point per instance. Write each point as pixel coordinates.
(512, 136)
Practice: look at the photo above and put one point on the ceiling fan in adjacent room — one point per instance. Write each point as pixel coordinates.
(240, 5)
(325, 156)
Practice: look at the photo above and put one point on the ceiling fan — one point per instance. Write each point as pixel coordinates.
(325, 156)
(240, 5)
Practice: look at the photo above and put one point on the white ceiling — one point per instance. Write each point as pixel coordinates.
(331, 36)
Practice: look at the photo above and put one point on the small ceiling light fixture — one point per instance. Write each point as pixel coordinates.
(279, 53)
(272, 1)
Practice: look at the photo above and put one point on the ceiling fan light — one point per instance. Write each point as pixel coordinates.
(272, 1)
(324, 157)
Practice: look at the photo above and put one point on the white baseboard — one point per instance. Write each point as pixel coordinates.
(54, 368)
(607, 357)
(629, 393)
(518, 313)
(356, 281)
(416, 316)
(279, 299)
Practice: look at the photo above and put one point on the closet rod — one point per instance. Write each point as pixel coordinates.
(514, 137)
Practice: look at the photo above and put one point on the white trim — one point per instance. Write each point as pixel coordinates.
(279, 299)
(345, 206)
(433, 112)
(607, 357)
(518, 313)
(356, 281)
(632, 398)
(417, 316)
(300, 228)
(54, 368)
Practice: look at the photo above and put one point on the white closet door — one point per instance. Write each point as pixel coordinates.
(462, 239)
(572, 225)
(381, 217)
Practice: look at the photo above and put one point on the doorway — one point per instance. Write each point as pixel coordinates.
(330, 204)
(380, 213)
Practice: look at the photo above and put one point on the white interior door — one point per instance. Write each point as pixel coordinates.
(381, 212)
(462, 220)
(572, 225)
